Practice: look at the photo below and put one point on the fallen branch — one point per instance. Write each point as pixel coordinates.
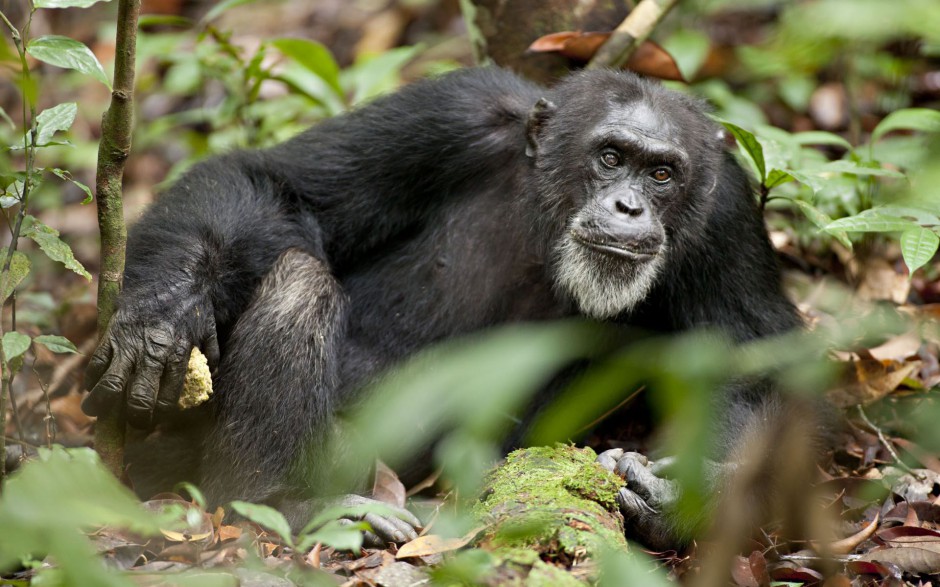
(631, 33)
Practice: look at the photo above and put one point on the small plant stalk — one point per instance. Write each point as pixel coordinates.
(29, 146)
(116, 127)
(631, 33)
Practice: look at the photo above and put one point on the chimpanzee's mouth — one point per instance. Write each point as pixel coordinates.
(633, 251)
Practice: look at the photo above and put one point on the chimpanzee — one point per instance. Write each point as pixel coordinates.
(458, 203)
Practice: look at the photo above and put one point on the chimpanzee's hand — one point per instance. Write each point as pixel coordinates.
(143, 357)
(648, 502)
(398, 526)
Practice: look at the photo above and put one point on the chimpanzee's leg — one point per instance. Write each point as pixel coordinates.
(276, 386)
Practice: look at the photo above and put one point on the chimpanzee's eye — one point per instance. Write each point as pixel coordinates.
(610, 158)
(662, 174)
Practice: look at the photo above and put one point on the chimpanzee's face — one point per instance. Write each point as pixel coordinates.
(631, 168)
(622, 164)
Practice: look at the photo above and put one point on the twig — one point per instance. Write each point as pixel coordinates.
(113, 150)
(631, 33)
(886, 442)
(49, 418)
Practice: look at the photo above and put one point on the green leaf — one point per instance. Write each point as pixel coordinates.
(48, 240)
(822, 220)
(68, 53)
(314, 57)
(373, 75)
(265, 516)
(52, 120)
(193, 492)
(63, 174)
(14, 344)
(221, 7)
(777, 177)
(56, 344)
(749, 144)
(339, 535)
(19, 269)
(918, 245)
(65, 3)
(814, 182)
(923, 119)
(843, 166)
(819, 137)
(870, 223)
(48, 504)
(689, 49)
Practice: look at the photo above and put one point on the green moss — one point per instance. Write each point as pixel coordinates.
(548, 509)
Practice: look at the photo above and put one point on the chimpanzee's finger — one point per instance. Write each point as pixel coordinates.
(98, 363)
(109, 390)
(210, 348)
(143, 393)
(608, 459)
(171, 383)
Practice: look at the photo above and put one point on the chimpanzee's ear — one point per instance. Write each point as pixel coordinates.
(540, 113)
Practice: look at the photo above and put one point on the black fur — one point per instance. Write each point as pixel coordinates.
(430, 213)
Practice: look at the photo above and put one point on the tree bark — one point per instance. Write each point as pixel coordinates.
(116, 128)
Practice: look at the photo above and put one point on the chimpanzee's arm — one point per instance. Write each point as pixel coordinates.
(193, 262)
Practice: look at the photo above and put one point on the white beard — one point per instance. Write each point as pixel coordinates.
(602, 285)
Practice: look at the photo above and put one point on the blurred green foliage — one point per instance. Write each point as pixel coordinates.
(464, 395)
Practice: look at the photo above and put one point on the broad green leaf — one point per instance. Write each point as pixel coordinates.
(48, 240)
(819, 137)
(923, 215)
(63, 174)
(221, 7)
(56, 344)
(373, 75)
(68, 53)
(918, 245)
(52, 120)
(749, 144)
(688, 48)
(265, 516)
(65, 3)
(814, 182)
(777, 177)
(14, 344)
(19, 269)
(339, 535)
(822, 220)
(923, 119)
(48, 504)
(870, 223)
(313, 56)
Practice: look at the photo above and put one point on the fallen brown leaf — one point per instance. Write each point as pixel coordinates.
(648, 59)
(872, 380)
(387, 487)
(850, 543)
(910, 560)
(431, 544)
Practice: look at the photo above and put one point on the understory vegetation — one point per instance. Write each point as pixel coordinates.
(833, 106)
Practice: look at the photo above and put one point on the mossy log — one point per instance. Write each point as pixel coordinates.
(548, 512)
